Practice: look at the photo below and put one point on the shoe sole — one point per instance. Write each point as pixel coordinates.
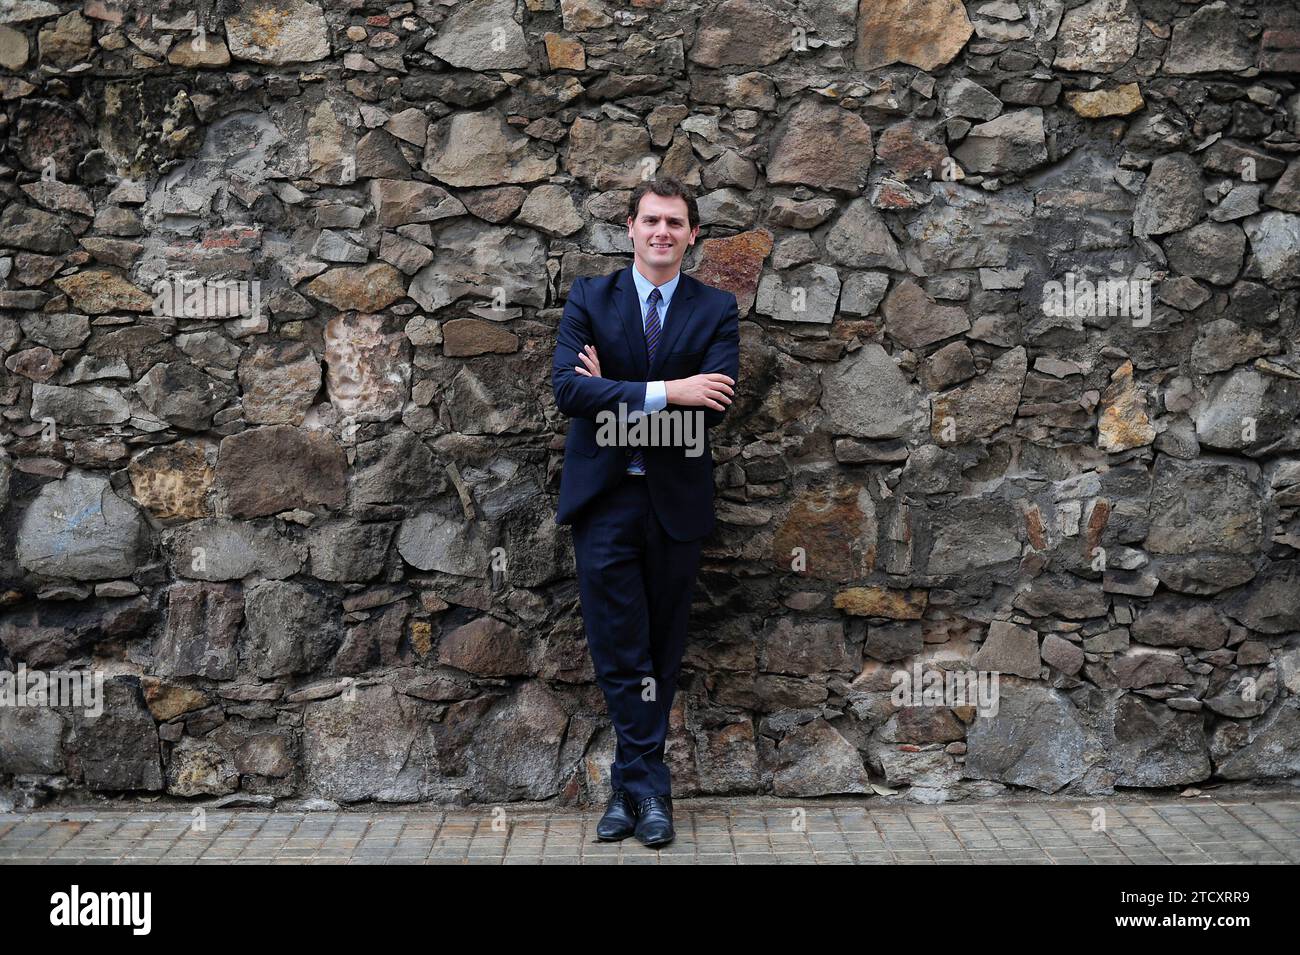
(655, 844)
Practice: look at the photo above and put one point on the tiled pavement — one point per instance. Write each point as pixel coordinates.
(1255, 829)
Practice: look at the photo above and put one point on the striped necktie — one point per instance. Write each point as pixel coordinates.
(652, 329)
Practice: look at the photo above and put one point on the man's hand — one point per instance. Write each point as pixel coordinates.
(713, 390)
(589, 358)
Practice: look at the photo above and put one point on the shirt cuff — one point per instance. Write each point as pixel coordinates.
(656, 396)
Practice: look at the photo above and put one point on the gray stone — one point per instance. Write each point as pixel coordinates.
(1098, 37)
(1009, 648)
(1036, 739)
(1174, 621)
(481, 35)
(79, 527)
(969, 99)
(1210, 40)
(931, 470)
(866, 396)
(118, 749)
(1242, 201)
(506, 746)
(1203, 506)
(814, 759)
(407, 256)
(746, 33)
(472, 259)
(347, 550)
(82, 405)
(182, 395)
(974, 534)
(1062, 654)
(480, 149)
(31, 739)
(1268, 603)
(398, 203)
(605, 155)
(373, 746)
(1222, 344)
(336, 247)
(1156, 746)
(57, 331)
(950, 365)
(1142, 667)
(1250, 413)
(859, 239)
(1212, 251)
(962, 228)
(914, 320)
(291, 629)
(807, 294)
(1284, 195)
(1275, 247)
(804, 648)
(201, 634)
(279, 383)
(550, 209)
(1171, 198)
(1270, 748)
(221, 549)
(397, 466)
(980, 407)
(429, 541)
(861, 292)
(895, 640)
(24, 227)
(1012, 143)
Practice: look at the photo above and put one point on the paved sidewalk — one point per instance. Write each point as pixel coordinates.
(1254, 829)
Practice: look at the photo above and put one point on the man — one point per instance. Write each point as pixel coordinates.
(645, 340)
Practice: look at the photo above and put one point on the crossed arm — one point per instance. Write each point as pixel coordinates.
(580, 391)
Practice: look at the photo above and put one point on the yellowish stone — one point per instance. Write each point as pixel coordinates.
(564, 53)
(882, 602)
(1097, 104)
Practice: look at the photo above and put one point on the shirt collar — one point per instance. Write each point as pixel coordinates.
(644, 285)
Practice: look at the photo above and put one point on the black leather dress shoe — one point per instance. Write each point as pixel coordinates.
(619, 819)
(654, 821)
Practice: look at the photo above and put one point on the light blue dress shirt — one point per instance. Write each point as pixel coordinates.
(656, 393)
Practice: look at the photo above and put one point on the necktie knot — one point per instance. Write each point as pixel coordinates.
(654, 296)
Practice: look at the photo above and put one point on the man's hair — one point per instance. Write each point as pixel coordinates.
(665, 186)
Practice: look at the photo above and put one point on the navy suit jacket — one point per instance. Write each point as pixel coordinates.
(701, 334)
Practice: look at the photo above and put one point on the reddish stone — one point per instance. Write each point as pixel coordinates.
(1279, 51)
(735, 264)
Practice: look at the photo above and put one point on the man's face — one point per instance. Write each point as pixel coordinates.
(661, 232)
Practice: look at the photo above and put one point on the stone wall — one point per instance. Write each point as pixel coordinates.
(303, 526)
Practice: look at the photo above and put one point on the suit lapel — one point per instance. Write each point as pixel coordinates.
(629, 314)
(676, 319)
